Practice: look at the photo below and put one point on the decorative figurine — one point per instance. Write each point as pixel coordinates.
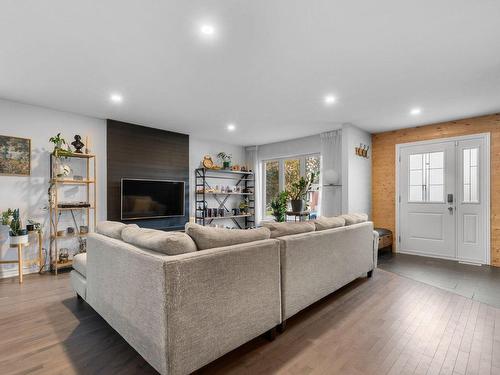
(78, 144)
(208, 162)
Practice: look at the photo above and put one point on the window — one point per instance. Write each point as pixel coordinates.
(470, 178)
(271, 177)
(426, 173)
(292, 172)
(279, 174)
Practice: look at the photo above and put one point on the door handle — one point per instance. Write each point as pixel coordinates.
(450, 209)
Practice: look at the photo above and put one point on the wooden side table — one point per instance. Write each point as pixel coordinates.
(20, 262)
(302, 215)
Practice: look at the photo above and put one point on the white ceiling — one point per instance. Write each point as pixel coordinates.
(267, 71)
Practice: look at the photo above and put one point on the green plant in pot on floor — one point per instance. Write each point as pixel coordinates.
(18, 235)
(225, 159)
(278, 206)
(298, 192)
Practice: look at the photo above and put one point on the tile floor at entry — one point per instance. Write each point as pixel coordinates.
(481, 283)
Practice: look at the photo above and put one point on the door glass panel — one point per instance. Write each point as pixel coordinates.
(426, 177)
(470, 175)
(436, 193)
(272, 183)
(416, 161)
(417, 178)
(313, 166)
(415, 194)
(435, 167)
(436, 176)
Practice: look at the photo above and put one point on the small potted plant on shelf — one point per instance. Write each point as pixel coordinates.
(298, 192)
(58, 142)
(18, 235)
(244, 206)
(225, 159)
(278, 206)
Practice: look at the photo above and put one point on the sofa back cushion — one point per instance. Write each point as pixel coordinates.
(323, 222)
(286, 229)
(208, 237)
(112, 229)
(170, 243)
(355, 218)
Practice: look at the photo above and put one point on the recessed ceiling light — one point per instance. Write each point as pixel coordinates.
(231, 127)
(116, 98)
(207, 30)
(416, 111)
(329, 99)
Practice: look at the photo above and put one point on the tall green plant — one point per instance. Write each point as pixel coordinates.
(7, 216)
(299, 189)
(15, 224)
(278, 206)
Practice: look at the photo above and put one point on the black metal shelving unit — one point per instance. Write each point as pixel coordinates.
(204, 180)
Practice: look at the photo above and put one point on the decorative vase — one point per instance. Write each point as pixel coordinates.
(226, 164)
(297, 205)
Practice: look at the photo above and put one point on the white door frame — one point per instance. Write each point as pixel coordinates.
(486, 138)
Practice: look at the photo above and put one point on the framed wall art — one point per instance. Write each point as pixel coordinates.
(15, 156)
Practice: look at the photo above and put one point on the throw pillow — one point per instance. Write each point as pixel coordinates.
(355, 218)
(112, 229)
(323, 223)
(209, 238)
(170, 243)
(286, 229)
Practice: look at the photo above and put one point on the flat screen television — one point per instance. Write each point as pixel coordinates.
(148, 199)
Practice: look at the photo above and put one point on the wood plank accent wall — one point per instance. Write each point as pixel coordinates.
(384, 170)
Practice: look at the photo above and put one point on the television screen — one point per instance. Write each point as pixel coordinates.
(145, 199)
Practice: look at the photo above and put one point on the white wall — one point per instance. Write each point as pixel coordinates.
(199, 148)
(29, 194)
(299, 146)
(356, 171)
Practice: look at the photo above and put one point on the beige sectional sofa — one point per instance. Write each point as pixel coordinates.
(184, 310)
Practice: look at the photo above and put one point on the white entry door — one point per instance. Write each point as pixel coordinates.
(443, 199)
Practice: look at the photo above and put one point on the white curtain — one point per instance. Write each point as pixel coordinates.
(331, 170)
(252, 161)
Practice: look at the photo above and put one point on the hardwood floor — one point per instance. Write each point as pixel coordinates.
(384, 325)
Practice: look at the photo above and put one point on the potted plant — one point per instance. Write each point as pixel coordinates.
(244, 206)
(298, 192)
(278, 206)
(225, 159)
(58, 142)
(18, 235)
(5, 227)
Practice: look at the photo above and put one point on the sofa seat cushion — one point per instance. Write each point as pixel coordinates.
(80, 263)
(209, 238)
(323, 222)
(170, 243)
(355, 218)
(112, 229)
(287, 229)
